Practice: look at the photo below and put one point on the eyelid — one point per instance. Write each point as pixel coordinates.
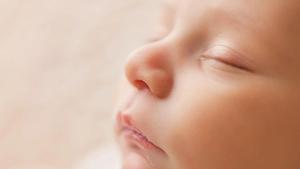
(229, 56)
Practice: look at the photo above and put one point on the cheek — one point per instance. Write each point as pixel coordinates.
(214, 127)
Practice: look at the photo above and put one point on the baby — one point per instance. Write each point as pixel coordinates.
(217, 87)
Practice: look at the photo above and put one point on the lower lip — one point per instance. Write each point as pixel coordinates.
(140, 140)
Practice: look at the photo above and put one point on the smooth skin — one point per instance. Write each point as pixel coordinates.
(218, 86)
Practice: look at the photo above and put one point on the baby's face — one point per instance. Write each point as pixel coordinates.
(217, 88)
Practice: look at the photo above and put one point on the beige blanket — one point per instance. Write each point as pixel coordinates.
(60, 61)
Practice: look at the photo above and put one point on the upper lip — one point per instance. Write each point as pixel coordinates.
(125, 121)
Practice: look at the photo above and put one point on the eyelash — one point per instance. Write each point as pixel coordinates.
(228, 66)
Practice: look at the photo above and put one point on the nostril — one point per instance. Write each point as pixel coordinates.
(141, 84)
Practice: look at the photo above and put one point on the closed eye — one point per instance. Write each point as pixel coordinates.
(227, 57)
(224, 62)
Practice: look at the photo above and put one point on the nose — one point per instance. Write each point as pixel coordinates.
(151, 68)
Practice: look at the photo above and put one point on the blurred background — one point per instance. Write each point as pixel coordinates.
(60, 65)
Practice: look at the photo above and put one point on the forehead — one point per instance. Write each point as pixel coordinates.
(266, 11)
(275, 21)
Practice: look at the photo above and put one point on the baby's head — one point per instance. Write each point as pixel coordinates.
(218, 87)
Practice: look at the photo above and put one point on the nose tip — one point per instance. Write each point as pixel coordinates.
(150, 69)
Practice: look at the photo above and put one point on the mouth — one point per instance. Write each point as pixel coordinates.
(133, 135)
